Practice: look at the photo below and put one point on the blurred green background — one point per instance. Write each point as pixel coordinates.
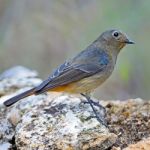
(41, 34)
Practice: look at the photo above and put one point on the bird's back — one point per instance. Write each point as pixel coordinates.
(93, 59)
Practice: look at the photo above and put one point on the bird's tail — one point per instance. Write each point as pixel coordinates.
(16, 98)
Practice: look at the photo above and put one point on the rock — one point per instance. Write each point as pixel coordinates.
(18, 72)
(142, 145)
(5, 146)
(16, 78)
(6, 134)
(116, 148)
(62, 122)
(11, 81)
(130, 120)
(14, 81)
(15, 114)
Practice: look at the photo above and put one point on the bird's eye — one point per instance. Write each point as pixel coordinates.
(115, 34)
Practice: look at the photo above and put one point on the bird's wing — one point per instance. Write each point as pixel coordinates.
(81, 67)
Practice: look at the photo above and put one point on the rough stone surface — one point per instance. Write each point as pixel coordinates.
(61, 121)
(6, 134)
(16, 78)
(130, 120)
(10, 83)
(142, 145)
(5, 146)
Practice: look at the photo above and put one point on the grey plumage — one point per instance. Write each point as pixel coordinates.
(89, 62)
(89, 69)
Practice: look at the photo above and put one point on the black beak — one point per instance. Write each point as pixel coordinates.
(127, 41)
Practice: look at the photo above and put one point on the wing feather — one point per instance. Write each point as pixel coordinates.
(78, 69)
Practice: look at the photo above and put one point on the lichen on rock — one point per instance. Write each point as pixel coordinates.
(58, 124)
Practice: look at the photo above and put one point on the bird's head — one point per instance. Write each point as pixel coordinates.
(114, 40)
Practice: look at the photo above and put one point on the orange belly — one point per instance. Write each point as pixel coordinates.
(85, 85)
(61, 88)
(71, 88)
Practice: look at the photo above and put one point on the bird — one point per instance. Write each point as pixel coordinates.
(86, 71)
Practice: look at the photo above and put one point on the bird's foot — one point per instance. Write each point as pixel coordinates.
(99, 116)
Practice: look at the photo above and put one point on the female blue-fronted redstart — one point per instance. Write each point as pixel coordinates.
(86, 71)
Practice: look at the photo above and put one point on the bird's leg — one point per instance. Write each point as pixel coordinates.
(99, 117)
(96, 104)
(87, 95)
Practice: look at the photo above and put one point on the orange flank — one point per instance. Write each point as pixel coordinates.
(61, 88)
(71, 88)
